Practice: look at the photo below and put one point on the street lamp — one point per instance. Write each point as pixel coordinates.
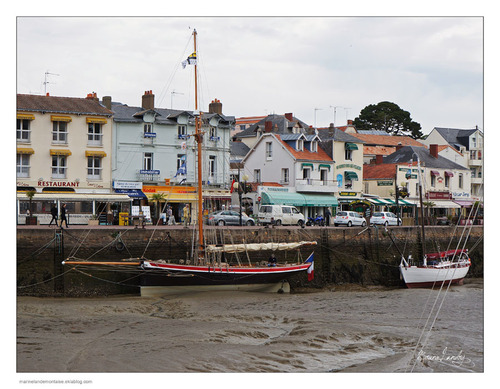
(241, 188)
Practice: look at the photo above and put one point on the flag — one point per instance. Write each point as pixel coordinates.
(310, 269)
(181, 170)
(232, 186)
(191, 60)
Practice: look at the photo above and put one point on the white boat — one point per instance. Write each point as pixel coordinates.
(437, 268)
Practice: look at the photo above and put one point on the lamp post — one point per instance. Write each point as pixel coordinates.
(241, 188)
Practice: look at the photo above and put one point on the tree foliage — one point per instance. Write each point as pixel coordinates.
(388, 117)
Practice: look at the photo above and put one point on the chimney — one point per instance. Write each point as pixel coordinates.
(148, 100)
(215, 107)
(433, 149)
(349, 122)
(399, 146)
(289, 117)
(92, 96)
(106, 101)
(379, 159)
(268, 126)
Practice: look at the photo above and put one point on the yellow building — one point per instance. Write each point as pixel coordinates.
(64, 155)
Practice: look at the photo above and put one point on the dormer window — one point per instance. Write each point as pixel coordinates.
(300, 144)
(314, 146)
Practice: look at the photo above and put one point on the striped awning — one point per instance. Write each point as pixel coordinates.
(59, 118)
(95, 153)
(25, 150)
(350, 175)
(96, 120)
(59, 152)
(26, 116)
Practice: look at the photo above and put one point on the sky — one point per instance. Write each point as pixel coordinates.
(321, 69)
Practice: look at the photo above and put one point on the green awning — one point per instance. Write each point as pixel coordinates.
(308, 165)
(351, 146)
(298, 199)
(400, 201)
(325, 166)
(350, 176)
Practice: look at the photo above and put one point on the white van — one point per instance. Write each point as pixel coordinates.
(280, 215)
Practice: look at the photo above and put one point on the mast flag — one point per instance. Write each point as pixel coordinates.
(191, 60)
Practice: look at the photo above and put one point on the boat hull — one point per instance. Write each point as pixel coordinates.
(425, 277)
(161, 275)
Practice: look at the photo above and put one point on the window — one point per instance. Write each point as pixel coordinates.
(300, 144)
(147, 163)
(306, 173)
(460, 181)
(433, 180)
(181, 132)
(314, 146)
(95, 134)
(94, 168)
(23, 130)
(181, 164)
(446, 181)
(23, 165)
(323, 176)
(257, 176)
(212, 132)
(285, 176)
(60, 132)
(269, 150)
(212, 166)
(348, 155)
(59, 166)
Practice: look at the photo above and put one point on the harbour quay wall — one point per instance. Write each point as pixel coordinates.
(364, 256)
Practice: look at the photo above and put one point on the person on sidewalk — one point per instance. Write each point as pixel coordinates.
(53, 212)
(63, 216)
(170, 215)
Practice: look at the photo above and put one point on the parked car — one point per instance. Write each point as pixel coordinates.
(349, 218)
(280, 214)
(385, 218)
(230, 218)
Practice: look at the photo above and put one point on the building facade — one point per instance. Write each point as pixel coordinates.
(64, 153)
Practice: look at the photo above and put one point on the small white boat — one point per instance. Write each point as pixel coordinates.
(437, 268)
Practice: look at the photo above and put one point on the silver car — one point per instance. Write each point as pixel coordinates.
(230, 218)
(349, 218)
(385, 218)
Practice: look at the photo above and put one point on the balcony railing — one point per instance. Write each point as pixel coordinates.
(312, 185)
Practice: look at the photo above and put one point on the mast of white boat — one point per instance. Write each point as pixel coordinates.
(199, 140)
(421, 208)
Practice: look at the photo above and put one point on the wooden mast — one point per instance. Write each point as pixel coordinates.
(199, 140)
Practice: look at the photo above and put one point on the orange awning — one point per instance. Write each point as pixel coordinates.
(95, 153)
(59, 118)
(96, 120)
(25, 150)
(59, 152)
(27, 116)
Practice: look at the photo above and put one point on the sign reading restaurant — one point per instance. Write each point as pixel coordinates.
(73, 184)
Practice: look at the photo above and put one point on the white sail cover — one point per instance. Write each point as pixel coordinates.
(242, 247)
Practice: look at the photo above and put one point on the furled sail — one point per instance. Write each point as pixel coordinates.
(242, 247)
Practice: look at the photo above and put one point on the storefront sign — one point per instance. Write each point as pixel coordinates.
(127, 185)
(384, 183)
(73, 184)
(149, 171)
(168, 189)
(347, 193)
(438, 196)
(349, 165)
(465, 195)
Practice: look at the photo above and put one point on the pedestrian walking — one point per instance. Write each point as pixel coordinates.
(328, 215)
(186, 215)
(63, 215)
(53, 212)
(171, 219)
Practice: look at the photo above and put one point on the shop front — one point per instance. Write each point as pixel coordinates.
(175, 197)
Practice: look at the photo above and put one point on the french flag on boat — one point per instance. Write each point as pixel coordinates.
(310, 269)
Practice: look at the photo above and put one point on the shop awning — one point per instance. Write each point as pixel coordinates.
(378, 201)
(444, 204)
(434, 172)
(104, 197)
(322, 165)
(448, 174)
(59, 152)
(25, 150)
(95, 153)
(351, 146)
(133, 193)
(59, 118)
(176, 197)
(308, 165)
(350, 175)
(464, 203)
(400, 201)
(96, 120)
(299, 199)
(26, 116)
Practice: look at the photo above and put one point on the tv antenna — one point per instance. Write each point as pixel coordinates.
(172, 97)
(315, 110)
(47, 82)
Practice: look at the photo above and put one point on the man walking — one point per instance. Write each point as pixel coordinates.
(63, 216)
(53, 212)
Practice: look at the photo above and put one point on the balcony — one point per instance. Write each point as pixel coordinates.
(475, 162)
(316, 186)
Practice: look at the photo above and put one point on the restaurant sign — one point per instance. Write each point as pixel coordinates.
(73, 184)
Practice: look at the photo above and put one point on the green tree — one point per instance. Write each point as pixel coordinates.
(388, 117)
(158, 198)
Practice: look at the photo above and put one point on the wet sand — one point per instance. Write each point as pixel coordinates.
(346, 329)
